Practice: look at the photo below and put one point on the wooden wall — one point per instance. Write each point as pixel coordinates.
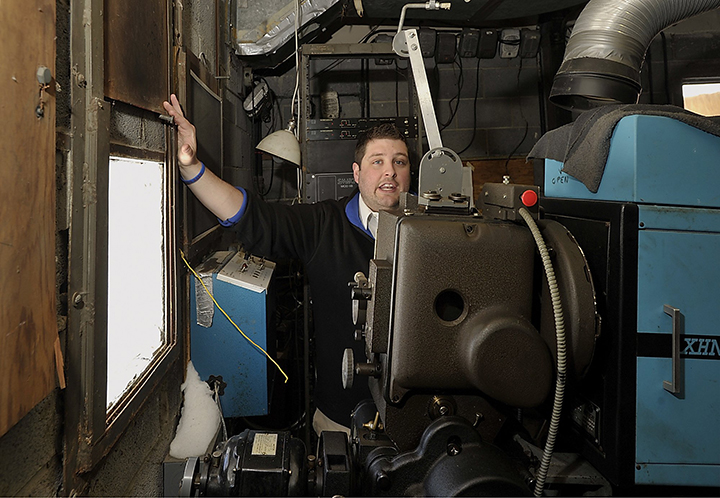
(492, 171)
(28, 323)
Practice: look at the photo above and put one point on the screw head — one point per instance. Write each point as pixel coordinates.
(382, 480)
(453, 449)
(78, 301)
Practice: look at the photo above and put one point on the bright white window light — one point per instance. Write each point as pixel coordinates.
(702, 98)
(136, 271)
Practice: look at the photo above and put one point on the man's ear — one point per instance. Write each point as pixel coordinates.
(356, 172)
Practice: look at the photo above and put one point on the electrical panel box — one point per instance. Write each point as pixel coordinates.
(652, 234)
(446, 48)
(468, 45)
(487, 46)
(529, 43)
(509, 43)
(239, 283)
(428, 38)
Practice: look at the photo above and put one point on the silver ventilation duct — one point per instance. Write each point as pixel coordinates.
(607, 47)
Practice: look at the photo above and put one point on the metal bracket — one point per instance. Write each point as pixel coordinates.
(441, 181)
(674, 386)
(407, 44)
(446, 180)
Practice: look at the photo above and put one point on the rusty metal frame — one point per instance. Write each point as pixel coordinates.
(191, 68)
(136, 52)
(89, 433)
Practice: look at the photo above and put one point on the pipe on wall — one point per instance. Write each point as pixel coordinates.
(607, 47)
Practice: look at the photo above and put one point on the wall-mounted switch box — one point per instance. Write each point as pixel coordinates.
(428, 38)
(509, 43)
(446, 48)
(487, 47)
(468, 45)
(529, 43)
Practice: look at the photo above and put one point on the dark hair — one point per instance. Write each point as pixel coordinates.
(377, 132)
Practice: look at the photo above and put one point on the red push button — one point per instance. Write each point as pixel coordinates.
(529, 198)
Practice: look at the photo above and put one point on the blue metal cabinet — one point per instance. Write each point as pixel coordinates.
(677, 440)
(651, 160)
(669, 173)
(221, 350)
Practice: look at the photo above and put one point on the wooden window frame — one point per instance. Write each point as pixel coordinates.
(91, 429)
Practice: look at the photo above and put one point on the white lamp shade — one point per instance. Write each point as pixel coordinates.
(282, 144)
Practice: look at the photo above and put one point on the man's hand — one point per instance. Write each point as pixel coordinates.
(220, 197)
(187, 139)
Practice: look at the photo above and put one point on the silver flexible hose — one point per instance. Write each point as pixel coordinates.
(561, 351)
(621, 30)
(607, 48)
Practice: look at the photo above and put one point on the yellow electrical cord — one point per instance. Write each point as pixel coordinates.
(182, 255)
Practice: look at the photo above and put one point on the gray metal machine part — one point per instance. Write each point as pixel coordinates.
(451, 460)
(444, 181)
(253, 463)
(458, 311)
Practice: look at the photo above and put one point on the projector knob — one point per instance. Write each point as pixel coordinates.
(359, 311)
(348, 368)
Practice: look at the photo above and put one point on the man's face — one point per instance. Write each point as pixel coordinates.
(383, 173)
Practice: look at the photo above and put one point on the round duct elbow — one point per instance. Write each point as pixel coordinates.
(583, 84)
(607, 47)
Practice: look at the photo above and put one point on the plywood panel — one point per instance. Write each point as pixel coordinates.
(136, 52)
(706, 104)
(493, 170)
(28, 324)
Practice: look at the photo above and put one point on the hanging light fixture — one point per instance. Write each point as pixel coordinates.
(282, 144)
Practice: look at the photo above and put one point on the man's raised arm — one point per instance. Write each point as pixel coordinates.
(221, 198)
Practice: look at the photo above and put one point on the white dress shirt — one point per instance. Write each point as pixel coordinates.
(368, 217)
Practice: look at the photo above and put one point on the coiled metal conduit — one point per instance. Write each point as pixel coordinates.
(561, 351)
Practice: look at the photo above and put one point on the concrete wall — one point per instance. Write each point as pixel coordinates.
(497, 114)
(31, 452)
(688, 51)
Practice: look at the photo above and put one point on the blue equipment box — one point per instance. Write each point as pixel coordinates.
(662, 176)
(239, 283)
(651, 160)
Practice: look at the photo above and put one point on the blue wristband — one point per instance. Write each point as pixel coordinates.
(196, 178)
(236, 217)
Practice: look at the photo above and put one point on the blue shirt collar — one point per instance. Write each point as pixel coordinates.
(352, 211)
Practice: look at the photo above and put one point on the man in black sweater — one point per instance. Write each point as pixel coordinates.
(334, 240)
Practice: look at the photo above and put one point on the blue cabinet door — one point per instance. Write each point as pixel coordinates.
(677, 436)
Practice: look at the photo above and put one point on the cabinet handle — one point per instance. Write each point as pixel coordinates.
(673, 386)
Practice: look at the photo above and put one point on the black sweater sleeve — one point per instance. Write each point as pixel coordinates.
(280, 230)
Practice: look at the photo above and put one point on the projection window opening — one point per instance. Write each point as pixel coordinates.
(136, 311)
(702, 98)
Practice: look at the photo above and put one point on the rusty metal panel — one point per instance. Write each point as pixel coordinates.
(28, 322)
(136, 52)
